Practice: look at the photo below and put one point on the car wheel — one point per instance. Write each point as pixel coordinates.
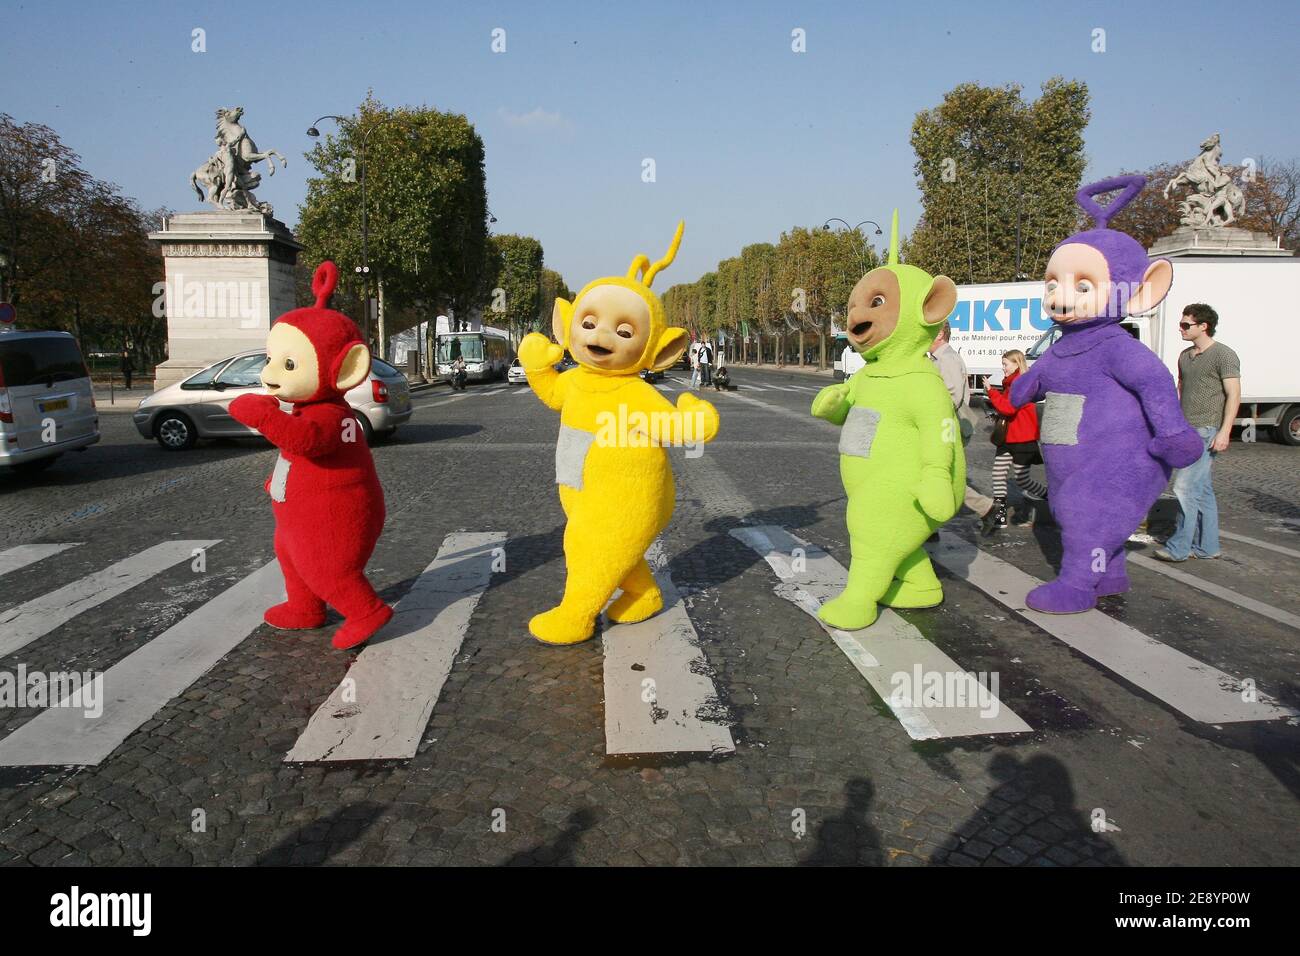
(1287, 429)
(367, 429)
(175, 432)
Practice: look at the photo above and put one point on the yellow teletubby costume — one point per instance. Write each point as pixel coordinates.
(616, 485)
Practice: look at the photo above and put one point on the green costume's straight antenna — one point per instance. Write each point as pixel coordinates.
(893, 240)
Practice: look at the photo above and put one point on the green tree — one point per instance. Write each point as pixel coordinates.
(516, 298)
(985, 158)
(552, 287)
(426, 201)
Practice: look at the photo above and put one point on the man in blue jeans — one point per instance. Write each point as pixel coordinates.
(1209, 385)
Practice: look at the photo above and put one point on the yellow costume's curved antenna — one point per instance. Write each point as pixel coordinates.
(893, 240)
(669, 256)
(639, 263)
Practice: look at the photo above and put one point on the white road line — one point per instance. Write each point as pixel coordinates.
(11, 559)
(669, 715)
(1218, 590)
(446, 401)
(752, 388)
(381, 709)
(21, 625)
(1189, 686)
(138, 686)
(1269, 545)
(893, 656)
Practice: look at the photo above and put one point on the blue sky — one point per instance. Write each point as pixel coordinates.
(748, 137)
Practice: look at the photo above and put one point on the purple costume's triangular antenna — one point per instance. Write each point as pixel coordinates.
(1131, 186)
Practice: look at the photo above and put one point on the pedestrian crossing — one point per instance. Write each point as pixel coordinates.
(661, 695)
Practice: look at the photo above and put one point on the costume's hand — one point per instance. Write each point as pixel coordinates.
(830, 400)
(253, 410)
(1177, 450)
(703, 418)
(935, 497)
(536, 351)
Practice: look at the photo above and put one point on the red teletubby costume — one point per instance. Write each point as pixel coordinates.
(326, 496)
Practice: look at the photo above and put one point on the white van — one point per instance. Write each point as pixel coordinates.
(47, 405)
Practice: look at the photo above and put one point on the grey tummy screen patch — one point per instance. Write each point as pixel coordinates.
(1061, 417)
(279, 479)
(570, 455)
(859, 431)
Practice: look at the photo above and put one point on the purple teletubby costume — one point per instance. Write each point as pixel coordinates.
(1112, 427)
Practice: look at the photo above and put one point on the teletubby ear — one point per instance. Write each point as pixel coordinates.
(354, 368)
(560, 320)
(940, 300)
(670, 348)
(1156, 282)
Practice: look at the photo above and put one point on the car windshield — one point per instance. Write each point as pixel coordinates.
(40, 360)
(469, 347)
(1044, 343)
(243, 372)
(200, 379)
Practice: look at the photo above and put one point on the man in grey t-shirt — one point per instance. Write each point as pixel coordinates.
(1209, 386)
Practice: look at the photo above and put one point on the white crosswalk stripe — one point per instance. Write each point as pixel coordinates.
(1187, 685)
(1218, 590)
(658, 696)
(21, 625)
(380, 710)
(138, 686)
(11, 559)
(901, 666)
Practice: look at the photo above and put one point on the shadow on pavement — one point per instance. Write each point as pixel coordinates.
(1030, 818)
(849, 839)
(558, 852)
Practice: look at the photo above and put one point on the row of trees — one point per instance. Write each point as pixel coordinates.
(776, 302)
(74, 252)
(998, 175)
(429, 248)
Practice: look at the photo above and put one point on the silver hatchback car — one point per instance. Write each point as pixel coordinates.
(179, 415)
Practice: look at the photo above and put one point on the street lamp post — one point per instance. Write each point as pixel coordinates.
(866, 222)
(364, 268)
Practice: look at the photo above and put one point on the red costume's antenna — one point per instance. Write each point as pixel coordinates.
(323, 283)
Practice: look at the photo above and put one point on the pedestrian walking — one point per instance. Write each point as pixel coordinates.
(127, 368)
(705, 356)
(953, 370)
(1015, 436)
(695, 366)
(1209, 389)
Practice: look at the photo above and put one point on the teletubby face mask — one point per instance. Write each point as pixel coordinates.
(616, 325)
(315, 353)
(896, 310)
(1101, 276)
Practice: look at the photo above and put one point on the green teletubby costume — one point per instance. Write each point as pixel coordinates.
(901, 456)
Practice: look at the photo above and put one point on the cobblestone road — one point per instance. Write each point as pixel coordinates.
(823, 770)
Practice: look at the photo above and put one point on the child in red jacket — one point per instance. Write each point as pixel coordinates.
(1018, 449)
(325, 494)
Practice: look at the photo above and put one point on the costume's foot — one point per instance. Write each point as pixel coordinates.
(902, 594)
(848, 614)
(358, 630)
(630, 608)
(1112, 584)
(558, 626)
(1060, 598)
(288, 617)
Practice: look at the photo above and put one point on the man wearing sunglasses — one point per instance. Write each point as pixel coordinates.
(1209, 386)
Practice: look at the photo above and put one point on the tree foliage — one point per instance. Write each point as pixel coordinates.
(426, 200)
(77, 254)
(985, 154)
(517, 293)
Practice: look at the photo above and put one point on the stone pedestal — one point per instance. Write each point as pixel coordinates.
(229, 273)
(1216, 241)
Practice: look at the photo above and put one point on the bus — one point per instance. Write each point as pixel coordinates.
(487, 353)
